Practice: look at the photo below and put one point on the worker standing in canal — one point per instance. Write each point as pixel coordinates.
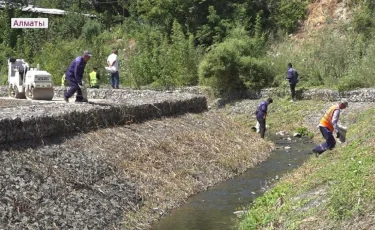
(261, 114)
(328, 126)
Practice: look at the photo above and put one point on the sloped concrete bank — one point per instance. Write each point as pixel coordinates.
(41, 119)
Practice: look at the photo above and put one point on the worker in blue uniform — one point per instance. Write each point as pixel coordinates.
(74, 75)
(261, 114)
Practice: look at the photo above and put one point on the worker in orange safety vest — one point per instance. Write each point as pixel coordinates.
(328, 125)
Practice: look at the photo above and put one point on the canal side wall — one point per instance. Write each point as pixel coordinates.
(41, 119)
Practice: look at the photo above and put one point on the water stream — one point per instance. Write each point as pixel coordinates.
(214, 209)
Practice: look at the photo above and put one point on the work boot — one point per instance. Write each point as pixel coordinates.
(81, 101)
(316, 152)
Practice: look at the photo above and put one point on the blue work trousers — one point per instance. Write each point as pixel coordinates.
(115, 80)
(74, 87)
(330, 142)
(262, 125)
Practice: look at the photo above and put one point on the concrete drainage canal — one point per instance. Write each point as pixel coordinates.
(216, 207)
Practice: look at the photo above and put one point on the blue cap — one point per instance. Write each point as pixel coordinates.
(87, 53)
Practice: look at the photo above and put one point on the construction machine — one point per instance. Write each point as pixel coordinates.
(31, 83)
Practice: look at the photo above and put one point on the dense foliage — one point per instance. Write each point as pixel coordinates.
(229, 45)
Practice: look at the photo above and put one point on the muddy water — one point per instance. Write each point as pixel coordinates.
(214, 209)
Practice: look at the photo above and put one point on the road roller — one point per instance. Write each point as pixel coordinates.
(28, 83)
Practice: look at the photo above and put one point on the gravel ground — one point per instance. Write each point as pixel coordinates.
(5, 103)
(56, 187)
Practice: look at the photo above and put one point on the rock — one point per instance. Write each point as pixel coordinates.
(239, 213)
(281, 133)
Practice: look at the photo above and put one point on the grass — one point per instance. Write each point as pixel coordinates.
(334, 191)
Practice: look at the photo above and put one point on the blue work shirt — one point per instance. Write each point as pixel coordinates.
(262, 109)
(292, 76)
(76, 69)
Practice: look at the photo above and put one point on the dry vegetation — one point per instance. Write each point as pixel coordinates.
(172, 159)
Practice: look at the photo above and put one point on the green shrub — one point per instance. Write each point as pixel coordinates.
(254, 73)
(304, 132)
(350, 83)
(179, 60)
(160, 61)
(54, 60)
(286, 14)
(90, 30)
(220, 67)
(5, 53)
(234, 64)
(363, 21)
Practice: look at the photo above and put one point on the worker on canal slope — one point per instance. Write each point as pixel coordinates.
(329, 125)
(261, 114)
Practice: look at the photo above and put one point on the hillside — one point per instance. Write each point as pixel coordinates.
(321, 13)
